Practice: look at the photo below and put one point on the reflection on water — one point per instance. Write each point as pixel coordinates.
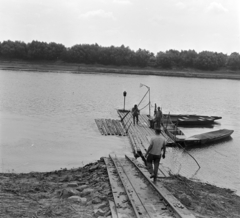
(47, 120)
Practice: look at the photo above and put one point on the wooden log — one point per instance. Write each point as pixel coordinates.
(99, 126)
(109, 127)
(133, 143)
(141, 134)
(116, 127)
(114, 130)
(109, 124)
(104, 127)
(121, 128)
(135, 139)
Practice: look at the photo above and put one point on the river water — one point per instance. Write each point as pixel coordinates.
(47, 121)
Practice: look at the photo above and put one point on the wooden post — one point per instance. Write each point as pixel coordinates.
(124, 95)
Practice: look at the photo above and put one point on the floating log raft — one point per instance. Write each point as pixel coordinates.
(110, 127)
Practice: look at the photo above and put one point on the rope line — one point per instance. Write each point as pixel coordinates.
(143, 98)
(144, 107)
(165, 129)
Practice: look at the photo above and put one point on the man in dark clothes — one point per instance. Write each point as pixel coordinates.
(153, 155)
(158, 118)
(135, 113)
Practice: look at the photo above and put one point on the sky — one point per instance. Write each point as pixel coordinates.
(154, 25)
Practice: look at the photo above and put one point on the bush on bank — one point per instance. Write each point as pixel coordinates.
(119, 56)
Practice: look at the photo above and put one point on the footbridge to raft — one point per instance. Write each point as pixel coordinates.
(140, 134)
(135, 195)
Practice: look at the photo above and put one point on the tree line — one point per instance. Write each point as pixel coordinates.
(119, 56)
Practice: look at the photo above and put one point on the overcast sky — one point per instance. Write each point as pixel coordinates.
(155, 25)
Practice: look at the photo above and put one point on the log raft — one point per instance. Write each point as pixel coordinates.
(138, 134)
(110, 127)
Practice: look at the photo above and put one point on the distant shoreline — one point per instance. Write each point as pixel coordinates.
(44, 66)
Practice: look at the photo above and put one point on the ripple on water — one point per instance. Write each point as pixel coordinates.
(55, 113)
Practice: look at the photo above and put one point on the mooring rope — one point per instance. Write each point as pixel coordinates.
(144, 107)
(143, 98)
(181, 146)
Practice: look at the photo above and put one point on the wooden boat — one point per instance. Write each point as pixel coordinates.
(191, 120)
(208, 137)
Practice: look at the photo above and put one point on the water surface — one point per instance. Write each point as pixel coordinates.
(47, 120)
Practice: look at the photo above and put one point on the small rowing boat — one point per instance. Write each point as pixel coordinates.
(209, 137)
(191, 120)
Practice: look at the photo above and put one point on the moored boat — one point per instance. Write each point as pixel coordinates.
(209, 137)
(191, 119)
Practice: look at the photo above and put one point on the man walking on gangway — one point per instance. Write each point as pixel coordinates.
(154, 153)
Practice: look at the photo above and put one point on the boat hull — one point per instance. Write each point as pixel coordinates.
(191, 120)
(209, 137)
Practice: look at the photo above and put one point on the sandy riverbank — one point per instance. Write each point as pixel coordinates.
(82, 68)
(86, 192)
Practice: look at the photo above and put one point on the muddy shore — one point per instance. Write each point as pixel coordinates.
(41, 66)
(86, 192)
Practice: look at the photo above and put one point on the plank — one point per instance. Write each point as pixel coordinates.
(123, 208)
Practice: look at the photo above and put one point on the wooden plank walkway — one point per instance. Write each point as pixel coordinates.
(140, 134)
(136, 196)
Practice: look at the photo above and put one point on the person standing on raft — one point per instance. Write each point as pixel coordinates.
(135, 113)
(158, 118)
(153, 154)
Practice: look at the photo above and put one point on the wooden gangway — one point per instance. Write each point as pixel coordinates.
(139, 134)
(136, 196)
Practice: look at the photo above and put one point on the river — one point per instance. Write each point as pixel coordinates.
(47, 121)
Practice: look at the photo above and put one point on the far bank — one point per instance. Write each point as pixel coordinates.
(59, 66)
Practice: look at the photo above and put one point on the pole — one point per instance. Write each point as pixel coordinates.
(149, 97)
(149, 104)
(124, 95)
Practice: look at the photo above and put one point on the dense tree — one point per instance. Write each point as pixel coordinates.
(164, 60)
(76, 54)
(174, 55)
(187, 58)
(118, 56)
(221, 59)
(37, 50)
(152, 61)
(206, 60)
(142, 57)
(54, 51)
(233, 61)
(8, 49)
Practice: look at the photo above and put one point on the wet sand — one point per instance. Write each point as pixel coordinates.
(44, 66)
